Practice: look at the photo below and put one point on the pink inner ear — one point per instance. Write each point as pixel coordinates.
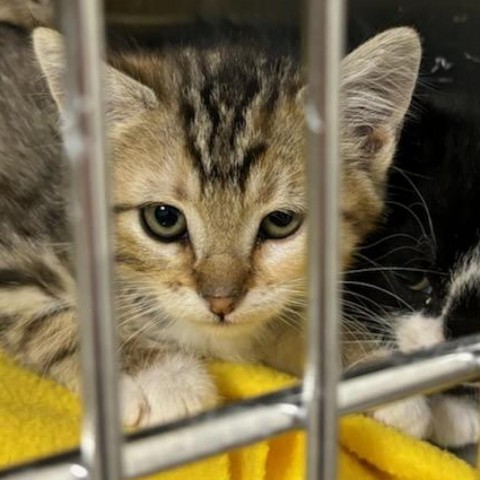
(373, 139)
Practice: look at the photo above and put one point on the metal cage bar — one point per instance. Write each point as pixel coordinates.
(325, 32)
(83, 26)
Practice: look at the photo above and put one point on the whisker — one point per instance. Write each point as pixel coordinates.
(422, 201)
(380, 289)
(396, 269)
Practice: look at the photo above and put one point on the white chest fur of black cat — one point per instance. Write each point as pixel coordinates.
(445, 419)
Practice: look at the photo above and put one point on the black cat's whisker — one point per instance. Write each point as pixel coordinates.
(377, 265)
(385, 239)
(402, 248)
(358, 311)
(351, 329)
(361, 341)
(380, 289)
(371, 301)
(422, 201)
(349, 319)
(396, 269)
(410, 210)
(380, 326)
(364, 344)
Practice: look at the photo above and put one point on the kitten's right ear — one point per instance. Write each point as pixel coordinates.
(125, 97)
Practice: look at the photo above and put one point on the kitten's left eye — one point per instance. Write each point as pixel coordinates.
(280, 224)
(417, 284)
(421, 286)
(165, 222)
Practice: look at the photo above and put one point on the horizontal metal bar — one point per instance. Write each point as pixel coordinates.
(260, 418)
(236, 426)
(424, 376)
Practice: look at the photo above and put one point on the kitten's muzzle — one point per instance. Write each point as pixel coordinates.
(221, 280)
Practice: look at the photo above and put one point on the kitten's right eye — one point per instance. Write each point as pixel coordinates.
(165, 222)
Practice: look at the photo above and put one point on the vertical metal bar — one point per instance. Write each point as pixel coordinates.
(82, 23)
(325, 31)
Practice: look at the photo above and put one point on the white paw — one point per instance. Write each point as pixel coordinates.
(412, 416)
(456, 421)
(175, 388)
(133, 403)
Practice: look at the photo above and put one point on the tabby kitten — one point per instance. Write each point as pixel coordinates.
(207, 155)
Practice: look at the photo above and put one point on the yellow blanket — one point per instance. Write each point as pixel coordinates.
(38, 418)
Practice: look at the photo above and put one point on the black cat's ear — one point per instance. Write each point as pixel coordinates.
(377, 83)
(124, 96)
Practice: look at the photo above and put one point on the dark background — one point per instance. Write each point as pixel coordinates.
(450, 29)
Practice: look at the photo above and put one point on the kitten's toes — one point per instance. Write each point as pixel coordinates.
(456, 421)
(134, 405)
(175, 388)
(412, 416)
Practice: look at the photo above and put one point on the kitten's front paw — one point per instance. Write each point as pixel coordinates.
(411, 416)
(175, 388)
(133, 403)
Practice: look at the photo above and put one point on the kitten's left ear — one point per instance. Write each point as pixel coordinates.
(125, 97)
(377, 83)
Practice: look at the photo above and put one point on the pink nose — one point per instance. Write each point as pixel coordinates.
(221, 305)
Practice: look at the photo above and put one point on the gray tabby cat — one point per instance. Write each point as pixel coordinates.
(207, 157)
(27, 13)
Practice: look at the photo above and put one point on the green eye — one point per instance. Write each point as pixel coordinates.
(416, 281)
(421, 286)
(280, 224)
(164, 222)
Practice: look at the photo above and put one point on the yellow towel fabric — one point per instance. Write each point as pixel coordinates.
(38, 417)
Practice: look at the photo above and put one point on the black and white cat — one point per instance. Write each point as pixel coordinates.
(417, 279)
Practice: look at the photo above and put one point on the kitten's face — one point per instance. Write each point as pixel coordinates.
(209, 163)
(225, 249)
